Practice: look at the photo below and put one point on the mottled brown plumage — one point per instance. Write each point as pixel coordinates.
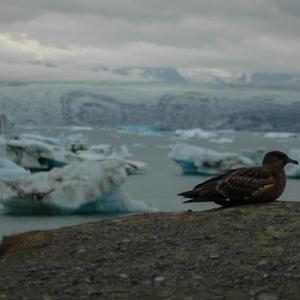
(245, 185)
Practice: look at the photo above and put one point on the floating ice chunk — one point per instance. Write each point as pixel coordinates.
(280, 135)
(221, 140)
(293, 171)
(10, 171)
(132, 167)
(103, 149)
(85, 187)
(136, 167)
(140, 129)
(138, 145)
(38, 138)
(73, 142)
(79, 128)
(107, 150)
(256, 155)
(123, 152)
(194, 133)
(198, 160)
(2, 140)
(37, 156)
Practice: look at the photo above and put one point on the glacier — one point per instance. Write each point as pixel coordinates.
(199, 160)
(81, 187)
(168, 106)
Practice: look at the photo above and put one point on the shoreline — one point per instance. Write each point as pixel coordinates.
(248, 252)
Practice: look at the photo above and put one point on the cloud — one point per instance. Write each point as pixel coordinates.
(73, 39)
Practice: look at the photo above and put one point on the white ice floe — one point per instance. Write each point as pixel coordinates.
(136, 167)
(73, 142)
(221, 140)
(107, 150)
(81, 187)
(144, 130)
(194, 133)
(138, 146)
(36, 155)
(193, 159)
(281, 135)
(38, 138)
(293, 171)
(255, 155)
(10, 171)
(132, 167)
(102, 149)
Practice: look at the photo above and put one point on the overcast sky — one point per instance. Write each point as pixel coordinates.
(70, 38)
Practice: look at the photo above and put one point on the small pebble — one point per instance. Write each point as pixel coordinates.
(124, 276)
(266, 296)
(159, 279)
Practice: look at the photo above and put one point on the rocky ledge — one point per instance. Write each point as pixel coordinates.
(250, 252)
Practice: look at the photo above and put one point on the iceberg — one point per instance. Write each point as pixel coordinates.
(102, 149)
(107, 150)
(221, 140)
(280, 135)
(36, 155)
(73, 142)
(132, 167)
(198, 160)
(10, 171)
(293, 171)
(194, 133)
(81, 187)
(136, 167)
(145, 130)
(255, 155)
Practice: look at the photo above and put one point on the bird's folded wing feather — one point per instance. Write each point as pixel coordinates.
(240, 183)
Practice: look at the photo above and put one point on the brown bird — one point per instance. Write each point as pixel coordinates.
(245, 185)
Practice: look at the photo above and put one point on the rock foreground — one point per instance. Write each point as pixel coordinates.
(250, 252)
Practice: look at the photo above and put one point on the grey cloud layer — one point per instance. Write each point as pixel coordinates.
(232, 35)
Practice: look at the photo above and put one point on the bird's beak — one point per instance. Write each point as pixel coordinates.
(293, 161)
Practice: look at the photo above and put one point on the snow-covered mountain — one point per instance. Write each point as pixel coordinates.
(165, 75)
(167, 106)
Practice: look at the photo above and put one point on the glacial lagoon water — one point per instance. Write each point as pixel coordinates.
(159, 187)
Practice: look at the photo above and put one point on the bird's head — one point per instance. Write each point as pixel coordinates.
(278, 158)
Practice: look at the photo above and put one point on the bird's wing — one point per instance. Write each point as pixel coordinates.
(244, 184)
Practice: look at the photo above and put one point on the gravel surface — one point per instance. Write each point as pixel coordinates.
(250, 252)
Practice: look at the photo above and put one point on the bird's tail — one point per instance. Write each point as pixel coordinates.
(195, 196)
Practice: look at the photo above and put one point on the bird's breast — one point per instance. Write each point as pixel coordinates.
(279, 186)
